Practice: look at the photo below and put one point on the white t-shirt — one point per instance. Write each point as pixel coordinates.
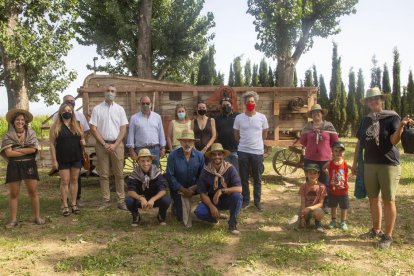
(108, 119)
(251, 129)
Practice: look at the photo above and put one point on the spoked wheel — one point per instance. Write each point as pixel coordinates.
(129, 165)
(285, 162)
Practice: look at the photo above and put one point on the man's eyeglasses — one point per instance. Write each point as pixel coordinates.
(145, 103)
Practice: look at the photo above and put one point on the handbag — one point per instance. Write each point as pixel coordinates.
(407, 139)
(86, 164)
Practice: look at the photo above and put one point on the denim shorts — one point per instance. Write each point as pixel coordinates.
(69, 165)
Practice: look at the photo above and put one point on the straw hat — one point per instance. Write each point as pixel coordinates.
(10, 115)
(187, 134)
(373, 92)
(312, 167)
(217, 147)
(145, 153)
(317, 107)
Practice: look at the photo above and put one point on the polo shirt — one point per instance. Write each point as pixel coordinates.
(108, 119)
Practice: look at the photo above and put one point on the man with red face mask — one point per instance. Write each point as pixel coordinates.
(248, 128)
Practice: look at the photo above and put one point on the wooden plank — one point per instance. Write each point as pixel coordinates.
(276, 127)
(276, 107)
(134, 106)
(86, 106)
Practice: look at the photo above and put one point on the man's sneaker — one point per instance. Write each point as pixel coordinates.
(332, 225)
(105, 205)
(136, 218)
(385, 242)
(319, 227)
(258, 206)
(122, 206)
(233, 230)
(161, 220)
(372, 234)
(245, 205)
(343, 226)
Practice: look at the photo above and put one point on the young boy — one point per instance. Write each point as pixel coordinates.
(338, 185)
(312, 194)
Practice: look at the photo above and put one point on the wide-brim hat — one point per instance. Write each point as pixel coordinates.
(10, 115)
(217, 147)
(317, 107)
(373, 92)
(145, 153)
(187, 134)
(312, 167)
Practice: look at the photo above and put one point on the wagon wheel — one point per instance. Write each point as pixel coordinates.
(163, 162)
(129, 165)
(285, 162)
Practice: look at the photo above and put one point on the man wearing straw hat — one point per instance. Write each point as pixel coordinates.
(146, 189)
(184, 166)
(220, 188)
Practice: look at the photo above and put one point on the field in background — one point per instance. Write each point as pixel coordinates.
(36, 125)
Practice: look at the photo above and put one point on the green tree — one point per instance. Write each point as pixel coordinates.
(295, 79)
(219, 79)
(410, 93)
(360, 93)
(263, 74)
(237, 69)
(375, 73)
(315, 76)
(271, 77)
(113, 26)
(404, 103)
(248, 73)
(335, 85)
(255, 76)
(351, 106)
(308, 78)
(207, 68)
(323, 99)
(337, 97)
(34, 37)
(386, 86)
(396, 84)
(231, 76)
(286, 28)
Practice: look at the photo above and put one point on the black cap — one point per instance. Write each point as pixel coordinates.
(338, 144)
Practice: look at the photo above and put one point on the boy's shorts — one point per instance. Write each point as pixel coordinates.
(341, 200)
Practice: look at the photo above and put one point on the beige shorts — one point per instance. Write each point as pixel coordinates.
(381, 178)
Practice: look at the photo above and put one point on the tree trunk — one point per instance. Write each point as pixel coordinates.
(14, 73)
(144, 68)
(285, 70)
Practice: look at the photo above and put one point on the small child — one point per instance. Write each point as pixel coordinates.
(338, 185)
(312, 194)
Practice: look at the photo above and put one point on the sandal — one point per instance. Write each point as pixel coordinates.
(12, 224)
(75, 209)
(39, 221)
(65, 211)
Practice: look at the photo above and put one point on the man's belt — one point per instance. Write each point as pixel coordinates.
(148, 146)
(110, 142)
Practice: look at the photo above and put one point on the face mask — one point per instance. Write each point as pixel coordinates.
(181, 115)
(146, 108)
(67, 115)
(250, 106)
(201, 112)
(110, 96)
(226, 109)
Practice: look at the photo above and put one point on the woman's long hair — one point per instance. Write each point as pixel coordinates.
(73, 124)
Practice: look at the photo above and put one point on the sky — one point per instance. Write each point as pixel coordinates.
(377, 28)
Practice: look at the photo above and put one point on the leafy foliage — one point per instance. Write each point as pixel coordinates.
(207, 68)
(323, 99)
(248, 73)
(351, 106)
(386, 86)
(396, 83)
(237, 69)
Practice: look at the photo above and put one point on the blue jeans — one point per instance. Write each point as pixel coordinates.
(231, 202)
(255, 162)
(163, 203)
(233, 158)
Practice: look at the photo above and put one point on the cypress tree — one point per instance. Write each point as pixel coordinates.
(295, 79)
(255, 76)
(219, 79)
(275, 77)
(248, 73)
(334, 86)
(404, 104)
(308, 78)
(323, 99)
(351, 106)
(375, 73)
(263, 74)
(271, 77)
(410, 93)
(315, 76)
(237, 69)
(360, 93)
(386, 87)
(396, 84)
(207, 68)
(343, 126)
(231, 76)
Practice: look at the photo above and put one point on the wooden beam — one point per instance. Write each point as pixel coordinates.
(86, 105)
(133, 104)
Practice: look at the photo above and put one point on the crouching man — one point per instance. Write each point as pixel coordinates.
(220, 188)
(146, 189)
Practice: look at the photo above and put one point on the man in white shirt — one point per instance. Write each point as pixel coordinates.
(108, 125)
(248, 127)
(146, 131)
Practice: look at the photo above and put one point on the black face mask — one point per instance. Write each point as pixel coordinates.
(201, 112)
(226, 109)
(66, 115)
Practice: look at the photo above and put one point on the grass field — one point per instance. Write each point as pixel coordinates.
(103, 242)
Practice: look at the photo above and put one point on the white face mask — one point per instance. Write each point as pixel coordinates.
(110, 96)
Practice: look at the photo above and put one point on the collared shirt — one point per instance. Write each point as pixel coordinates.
(251, 132)
(183, 173)
(206, 180)
(80, 118)
(145, 131)
(225, 132)
(108, 119)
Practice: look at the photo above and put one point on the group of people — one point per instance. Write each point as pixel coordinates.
(210, 157)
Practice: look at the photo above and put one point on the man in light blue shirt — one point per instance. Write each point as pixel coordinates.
(146, 131)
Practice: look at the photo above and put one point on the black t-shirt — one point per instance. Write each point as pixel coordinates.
(386, 153)
(225, 131)
(155, 185)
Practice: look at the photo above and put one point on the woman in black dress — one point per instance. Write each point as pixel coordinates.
(66, 140)
(19, 148)
(204, 128)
